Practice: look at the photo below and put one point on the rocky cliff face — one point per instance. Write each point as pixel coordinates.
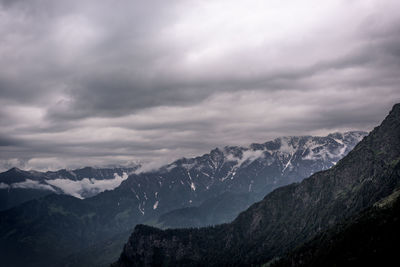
(286, 217)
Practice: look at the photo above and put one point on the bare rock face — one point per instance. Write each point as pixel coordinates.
(286, 217)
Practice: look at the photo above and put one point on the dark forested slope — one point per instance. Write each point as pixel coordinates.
(367, 239)
(286, 217)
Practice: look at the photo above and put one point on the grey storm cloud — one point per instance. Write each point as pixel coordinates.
(115, 82)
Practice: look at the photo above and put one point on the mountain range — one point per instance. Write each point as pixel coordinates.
(18, 186)
(288, 216)
(206, 190)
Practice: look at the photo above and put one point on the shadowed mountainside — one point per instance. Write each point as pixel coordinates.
(286, 217)
(367, 239)
(208, 189)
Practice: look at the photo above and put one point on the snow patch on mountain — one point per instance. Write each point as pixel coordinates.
(192, 186)
(155, 205)
(288, 164)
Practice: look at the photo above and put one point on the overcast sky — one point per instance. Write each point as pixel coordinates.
(113, 82)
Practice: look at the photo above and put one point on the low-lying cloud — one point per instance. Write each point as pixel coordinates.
(83, 188)
(28, 184)
(87, 186)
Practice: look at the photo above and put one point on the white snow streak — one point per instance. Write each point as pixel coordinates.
(155, 205)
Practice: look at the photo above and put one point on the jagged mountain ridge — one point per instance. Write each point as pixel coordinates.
(259, 169)
(179, 184)
(143, 197)
(286, 217)
(292, 158)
